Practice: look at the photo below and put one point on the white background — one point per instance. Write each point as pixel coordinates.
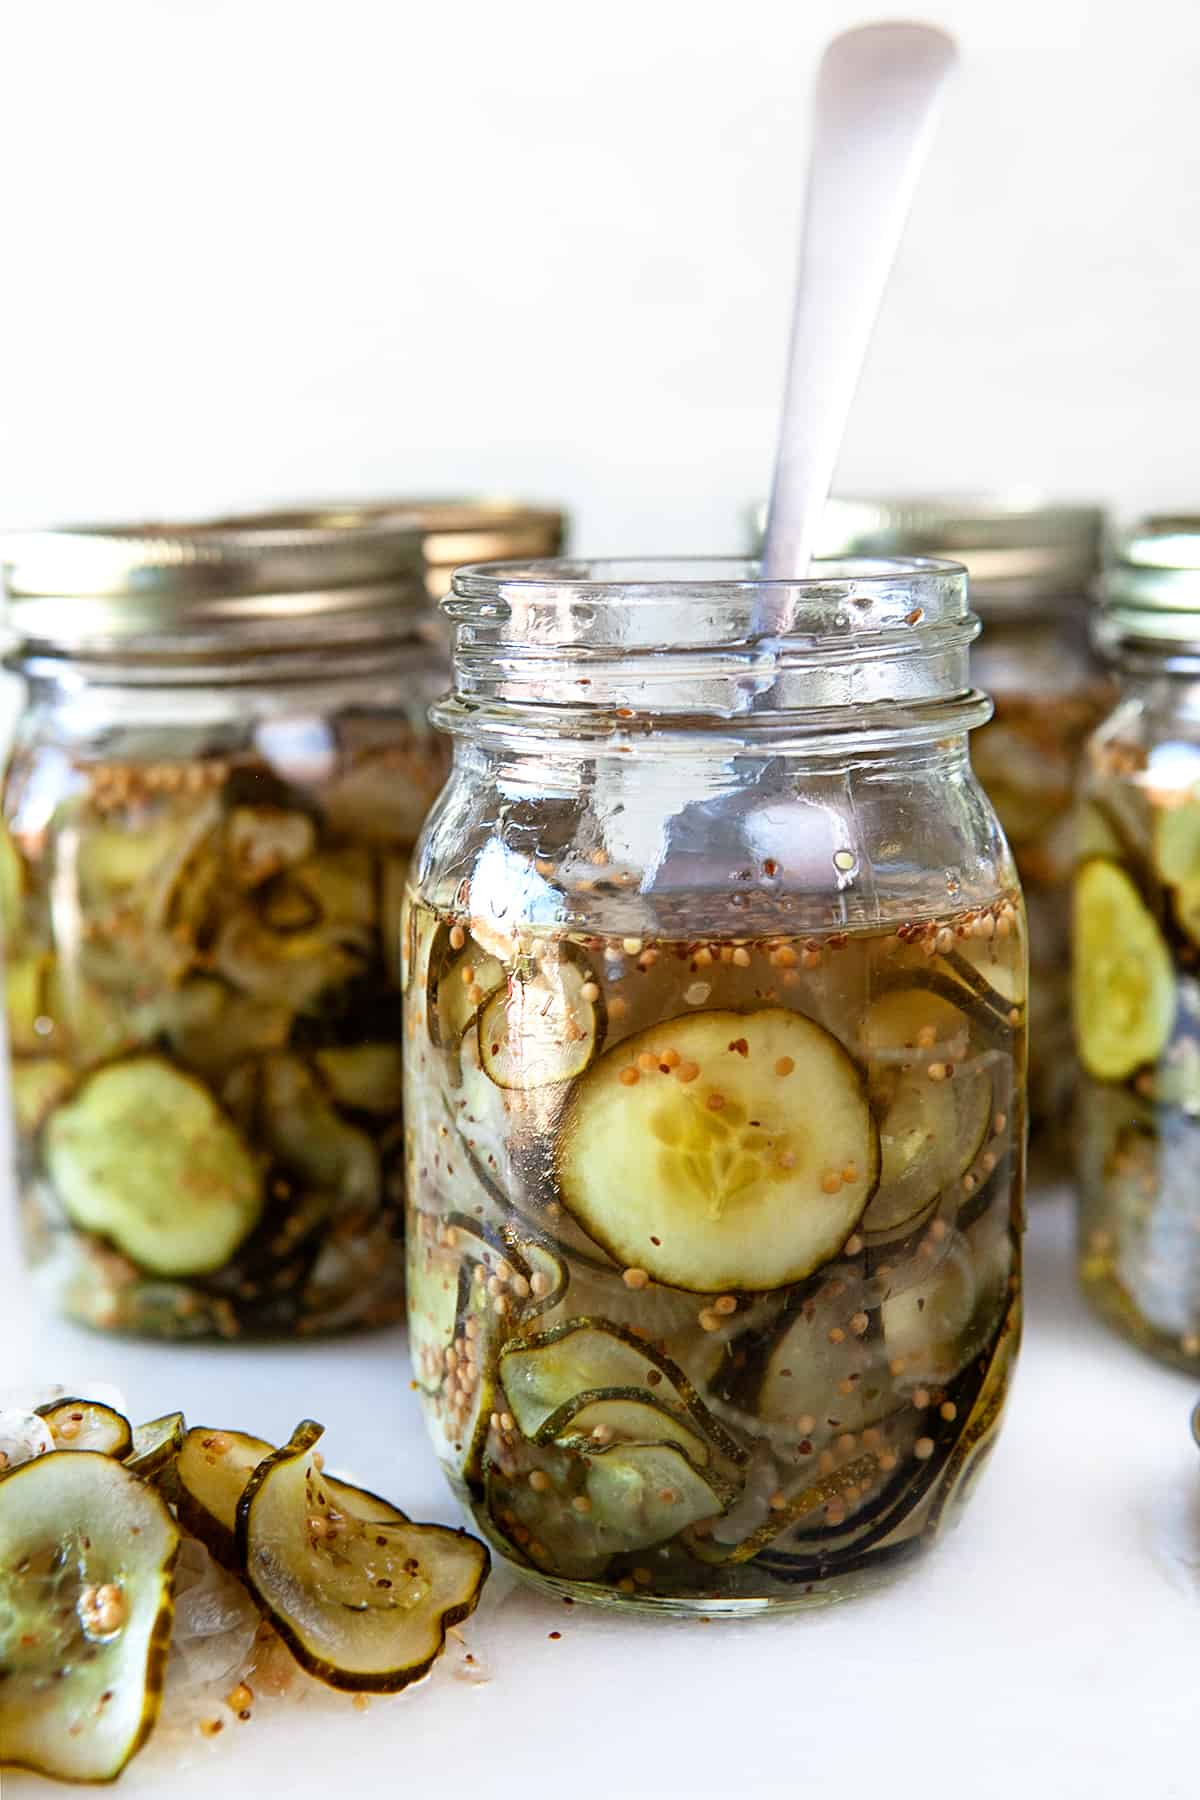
(264, 248)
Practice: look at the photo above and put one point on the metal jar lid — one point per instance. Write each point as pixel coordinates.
(481, 530)
(1151, 586)
(286, 578)
(1019, 549)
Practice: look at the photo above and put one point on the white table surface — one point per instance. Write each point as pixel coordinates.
(1051, 1648)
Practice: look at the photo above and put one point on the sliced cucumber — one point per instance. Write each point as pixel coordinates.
(292, 970)
(87, 1553)
(1176, 843)
(38, 1086)
(722, 1181)
(362, 1603)
(262, 840)
(818, 1388)
(212, 1469)
(1124, 983)
(549, 1274)
(459, 976)
(542, 1028)
(342, 884)
(582, 1511)
(365, 1077)
(86, 1425)
(925, 1325)
(155, 1448)
(930, 1131)
(541, 1374)
(645, 1494)
(143, 1155)
(627, 1414)
(312, 1141)
(1185, 902)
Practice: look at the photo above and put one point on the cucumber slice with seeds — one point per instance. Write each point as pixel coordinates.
(155, 1447)
(925, 1326)
(38, 1086)
(143, 1155)
(1124, 983)
(212, 1469)
(457, 981)
(86, 1425)
(1177, 843)
(543, 1028)
(541, 1374)
(366, 1077)
(747, 1171)
(625, 1414)
(930, 1130)
(363, 1603)
(87, 1553)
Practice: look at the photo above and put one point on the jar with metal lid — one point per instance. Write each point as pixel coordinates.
(1137, 952)
(715, 997)
(1032, 566)
(215, 784)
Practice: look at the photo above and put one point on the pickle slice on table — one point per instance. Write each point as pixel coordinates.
(86, 1425)
(363, 1603)
(211, 1472)
(721, 1150)
(934, 1115)
(156, 1444)
(87, 1553)
(1124, 982)
(143, 1155)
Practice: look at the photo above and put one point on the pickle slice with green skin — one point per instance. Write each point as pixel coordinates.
(543, 1373)
(1176, 843)
(457, 981)
(211, 1472)
(587, 1508)
(364, 1077)
(86, 1425)
(1124, 982)
(926, 1326)
(38, 1086)
(142, 1154)
(543, 1028)
(632, 1415)
(156, 1444)
(364, 1604)
(747, 1172)
(87, 1555)
(931, 1126)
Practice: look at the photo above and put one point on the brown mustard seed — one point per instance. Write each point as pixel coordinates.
(629, 1077)
(635, 1278)
(831, 1181)
(785, 1065)
(923, 1449)
(539, 1481)
(726, 1305)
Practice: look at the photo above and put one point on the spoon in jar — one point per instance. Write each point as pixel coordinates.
(877, 97)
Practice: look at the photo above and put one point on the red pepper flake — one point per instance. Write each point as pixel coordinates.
(555, 1634)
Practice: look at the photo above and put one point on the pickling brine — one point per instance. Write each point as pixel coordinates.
(714, 1243)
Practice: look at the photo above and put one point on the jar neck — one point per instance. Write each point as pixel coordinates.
(616, 654)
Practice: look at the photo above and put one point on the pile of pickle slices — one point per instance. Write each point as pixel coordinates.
(94, 1520)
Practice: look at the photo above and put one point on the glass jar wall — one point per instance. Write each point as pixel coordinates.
(219, 773)
(1137, 953)
(715, 966)
(1032, 565)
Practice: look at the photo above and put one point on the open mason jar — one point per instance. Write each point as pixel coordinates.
(715, 1078)
(221, 767)
(1137, 952)
(1032, 566)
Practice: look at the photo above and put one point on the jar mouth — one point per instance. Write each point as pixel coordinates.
(709, 636)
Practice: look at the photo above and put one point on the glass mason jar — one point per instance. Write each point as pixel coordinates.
(715, 964)
(1137, 953)
(1032, 566)
(480, 529)
(220, 770)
